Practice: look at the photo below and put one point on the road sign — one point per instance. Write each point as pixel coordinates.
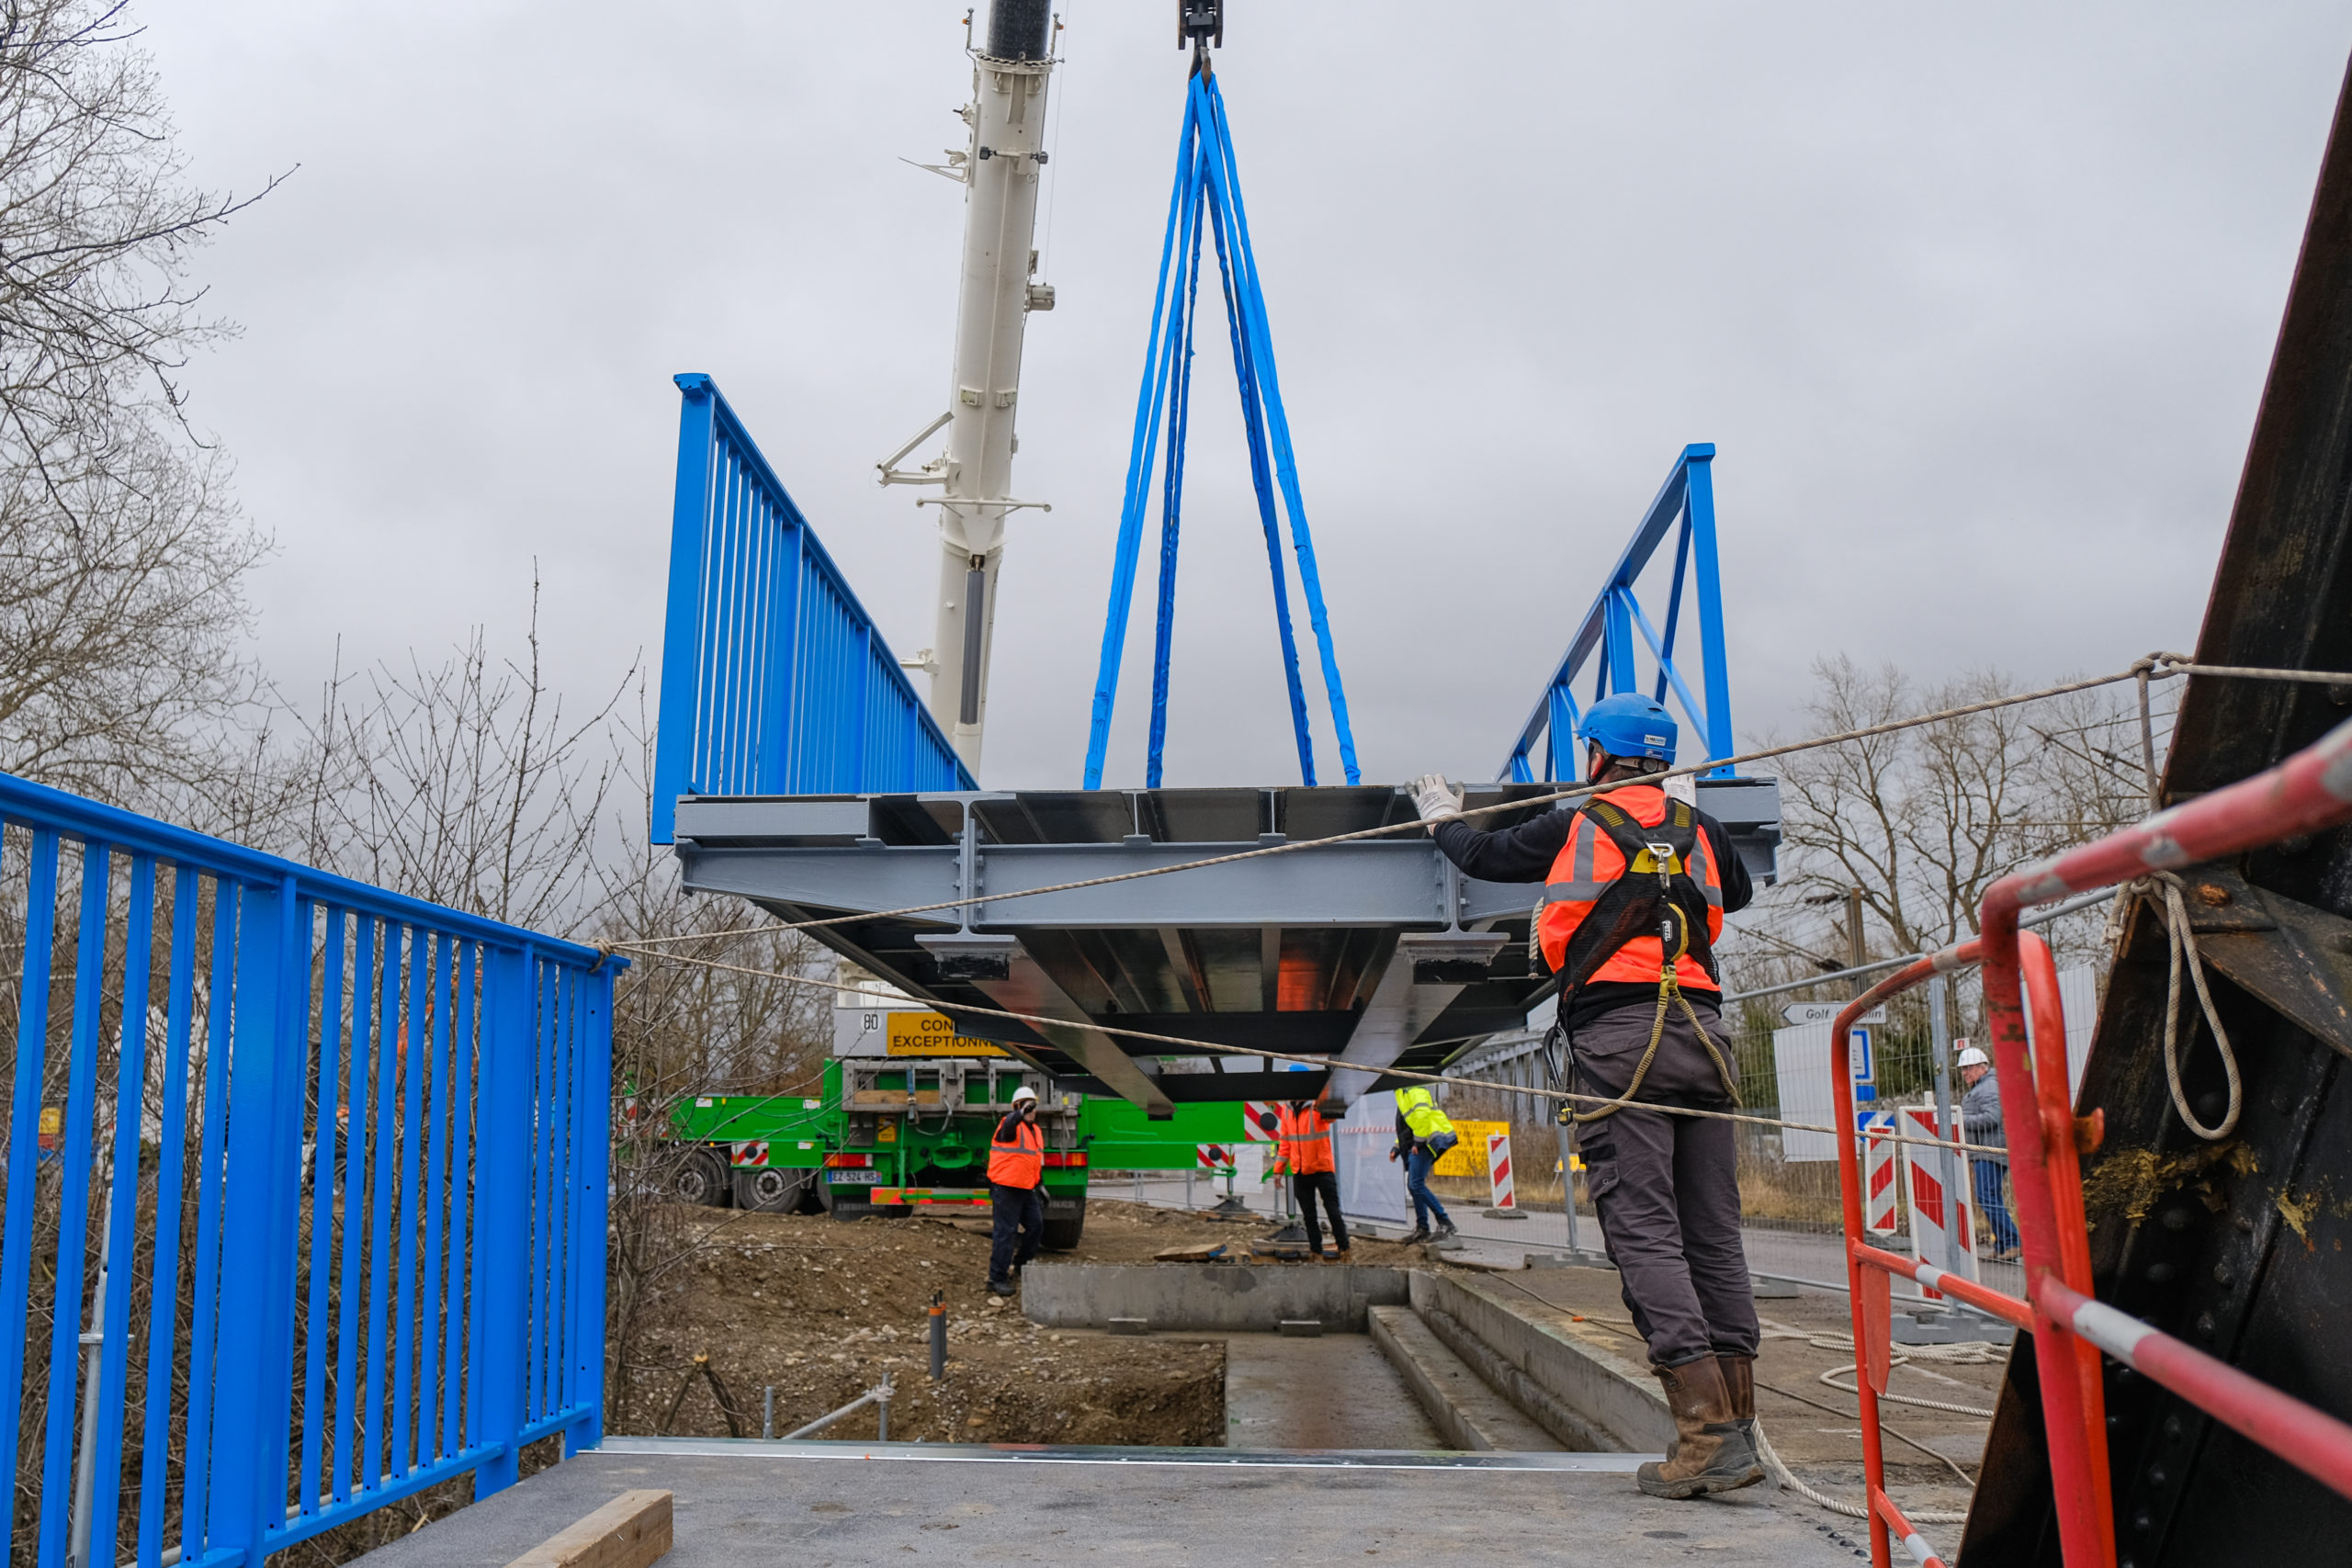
(930, 1035)
(1826, 1012)
(1865, 1078)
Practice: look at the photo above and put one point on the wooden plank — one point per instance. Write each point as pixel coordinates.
(630, 1531)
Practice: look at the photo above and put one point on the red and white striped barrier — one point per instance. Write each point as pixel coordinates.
(1878, 1174)
(1923, 1189)
(1499, 1170)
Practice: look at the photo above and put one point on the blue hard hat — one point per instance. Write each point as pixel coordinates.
(1630, 725)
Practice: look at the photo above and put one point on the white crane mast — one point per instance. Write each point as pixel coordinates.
(1001, 167)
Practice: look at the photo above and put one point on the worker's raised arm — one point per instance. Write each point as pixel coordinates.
(1523, 854)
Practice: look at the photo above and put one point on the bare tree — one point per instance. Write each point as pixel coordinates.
(98, 222)
(1924, 821)
(122, 621)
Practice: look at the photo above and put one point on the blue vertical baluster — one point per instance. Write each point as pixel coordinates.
(350, 1413)
(24, 1152)
(323, 1223)
(461, 1111)
(544, 1014)
(436, 1086)
(502, 1235)
(595, 1122)
(1700, 461)
(130, 1108)
(74, 1198)
(413, 1048)
(571, 1138)
(377, 1468)
(171, 1155)
(196, 1507)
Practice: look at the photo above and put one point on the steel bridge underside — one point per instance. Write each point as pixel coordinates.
(1370, 955)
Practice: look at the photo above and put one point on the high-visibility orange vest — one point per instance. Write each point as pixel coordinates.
(1595, 872)
(1306, 1142)
(1020, 1163)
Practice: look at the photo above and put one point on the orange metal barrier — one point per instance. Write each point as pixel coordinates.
(2309, 792)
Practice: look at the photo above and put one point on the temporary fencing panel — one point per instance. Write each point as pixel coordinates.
(1372, 1187)
(1924, 1192)
(328, 1189)
(774, 678)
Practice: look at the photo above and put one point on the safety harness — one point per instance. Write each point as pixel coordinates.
(1654, 894)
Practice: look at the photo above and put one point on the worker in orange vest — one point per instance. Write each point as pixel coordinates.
(1305, 1153)
(1016, 1190)
(1636, 885)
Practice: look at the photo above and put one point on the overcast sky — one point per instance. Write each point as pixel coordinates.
(1975, 302)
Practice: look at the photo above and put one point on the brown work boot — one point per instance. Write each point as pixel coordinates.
(1711, 1451)
(1739, 1384)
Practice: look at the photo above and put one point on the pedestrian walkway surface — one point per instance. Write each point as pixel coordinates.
(839, 1504)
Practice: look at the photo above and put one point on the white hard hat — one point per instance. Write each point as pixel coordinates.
(1024, 1092)
(1971, 1057)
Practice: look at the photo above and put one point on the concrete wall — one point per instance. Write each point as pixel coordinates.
(1619, 1399)
(1226, 1297)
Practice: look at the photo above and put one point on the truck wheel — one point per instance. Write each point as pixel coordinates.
(770, 1189)
(1064, 1224)
(702, 1178)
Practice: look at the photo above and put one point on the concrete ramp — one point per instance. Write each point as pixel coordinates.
(850, 1505)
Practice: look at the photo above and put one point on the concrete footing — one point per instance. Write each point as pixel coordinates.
(1208, 1297)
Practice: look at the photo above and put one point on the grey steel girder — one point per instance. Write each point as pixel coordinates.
(1373, 954)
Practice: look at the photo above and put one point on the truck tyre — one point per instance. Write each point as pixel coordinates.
(1065, 1222)
(701, 1177)
(770, 1189)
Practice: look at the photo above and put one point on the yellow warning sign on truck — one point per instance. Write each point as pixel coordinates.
(930, 1035)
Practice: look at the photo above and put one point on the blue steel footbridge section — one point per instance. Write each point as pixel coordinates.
(315, 1175)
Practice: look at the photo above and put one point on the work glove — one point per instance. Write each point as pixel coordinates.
(1434, 798)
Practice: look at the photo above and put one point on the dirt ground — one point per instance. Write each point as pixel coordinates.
(821, 1309)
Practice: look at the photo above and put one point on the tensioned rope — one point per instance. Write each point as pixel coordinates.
(2157, 666)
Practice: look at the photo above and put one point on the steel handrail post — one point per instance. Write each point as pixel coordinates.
(2065, 1171)
(2079, 1490)
(502, 1207)
(1850, 1200)
(593, 1132)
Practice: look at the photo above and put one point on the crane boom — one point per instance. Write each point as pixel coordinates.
(1000, 167)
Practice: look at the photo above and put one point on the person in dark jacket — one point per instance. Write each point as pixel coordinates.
(1637, 884)
(1980, 1123)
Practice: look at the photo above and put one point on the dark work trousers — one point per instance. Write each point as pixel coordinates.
(1019, 1213)
(1306, 1187)
(1667, 1188)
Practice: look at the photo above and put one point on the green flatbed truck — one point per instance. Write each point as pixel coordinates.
(901, 1123)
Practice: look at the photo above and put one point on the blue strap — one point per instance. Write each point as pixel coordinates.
(1207, 195)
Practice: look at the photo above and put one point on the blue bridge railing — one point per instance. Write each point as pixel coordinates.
(1545, 745)
(774, 678)
(306, 1194)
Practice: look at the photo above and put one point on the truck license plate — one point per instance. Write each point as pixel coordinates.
(856, 1178)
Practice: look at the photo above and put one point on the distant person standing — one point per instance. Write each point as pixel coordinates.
(1980, 1123)
(1423, 1134)
(1306, 1154)
(1016, 1190)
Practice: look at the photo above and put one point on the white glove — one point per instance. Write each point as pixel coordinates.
(1434, 798)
